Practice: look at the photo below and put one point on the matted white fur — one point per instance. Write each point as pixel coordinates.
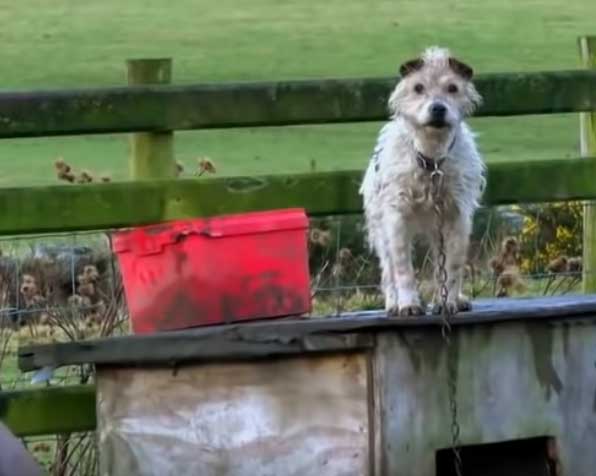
(428, 108)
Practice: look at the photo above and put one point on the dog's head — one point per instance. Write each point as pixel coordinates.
(435, 91)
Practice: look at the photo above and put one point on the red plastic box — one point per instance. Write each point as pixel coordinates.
(218, 270)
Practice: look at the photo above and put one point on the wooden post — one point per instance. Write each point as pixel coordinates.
(587, 49)
(151, 153)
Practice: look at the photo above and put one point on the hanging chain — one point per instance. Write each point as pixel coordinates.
(436, 178)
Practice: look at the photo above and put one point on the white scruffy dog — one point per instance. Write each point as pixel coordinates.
(426, 132)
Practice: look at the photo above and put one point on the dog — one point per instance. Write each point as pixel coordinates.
(426, 135)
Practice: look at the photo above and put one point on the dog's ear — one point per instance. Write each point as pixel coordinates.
(410, 67)
(461, 68)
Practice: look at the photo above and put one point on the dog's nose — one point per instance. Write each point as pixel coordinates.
(438, 110)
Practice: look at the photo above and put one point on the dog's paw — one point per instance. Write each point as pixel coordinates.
(409, 311)
(392, 311)
(391, 307)
(439, 309)
(461, 304)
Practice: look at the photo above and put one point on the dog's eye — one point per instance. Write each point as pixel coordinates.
(419, 88)
(452, 88)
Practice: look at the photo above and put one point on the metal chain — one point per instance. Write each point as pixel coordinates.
(436, 178)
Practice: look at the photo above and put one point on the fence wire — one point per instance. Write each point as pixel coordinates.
(65, 455)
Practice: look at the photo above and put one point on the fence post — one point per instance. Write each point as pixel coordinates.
(587, 51)
(151, 153)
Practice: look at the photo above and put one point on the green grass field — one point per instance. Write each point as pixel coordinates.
(68, 43)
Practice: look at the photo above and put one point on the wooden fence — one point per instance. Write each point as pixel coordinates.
(152, 109)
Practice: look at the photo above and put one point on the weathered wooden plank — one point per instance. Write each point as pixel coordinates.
(287, 337)
(101, 206)
(151, 153)
(540, 181)
(51, 410)
(92, 206)
(514, 381)
(588, 148)
(159, 108)
(301, 416)
(174, 348)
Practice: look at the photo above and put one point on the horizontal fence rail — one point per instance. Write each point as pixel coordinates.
(114, 205)
(155, 108)
(43, 411)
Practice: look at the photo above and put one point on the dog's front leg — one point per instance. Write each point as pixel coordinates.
(387, 279)
(399, 240)
(457, 238)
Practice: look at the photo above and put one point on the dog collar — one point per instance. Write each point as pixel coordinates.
(428, 163)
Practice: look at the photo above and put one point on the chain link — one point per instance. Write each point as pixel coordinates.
(436, 178)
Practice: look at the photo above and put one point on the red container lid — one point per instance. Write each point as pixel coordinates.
(152, 238)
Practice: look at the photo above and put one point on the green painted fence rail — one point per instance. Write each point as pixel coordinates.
(156, 108)
(43, 411)
(116, 205)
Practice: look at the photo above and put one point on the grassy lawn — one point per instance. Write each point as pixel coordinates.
(81, 43)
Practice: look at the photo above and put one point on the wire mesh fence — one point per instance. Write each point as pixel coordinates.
(65, 455)
(514, 251)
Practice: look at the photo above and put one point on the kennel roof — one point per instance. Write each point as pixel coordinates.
(289, 336)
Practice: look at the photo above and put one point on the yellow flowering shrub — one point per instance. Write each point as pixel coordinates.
(549, 231)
